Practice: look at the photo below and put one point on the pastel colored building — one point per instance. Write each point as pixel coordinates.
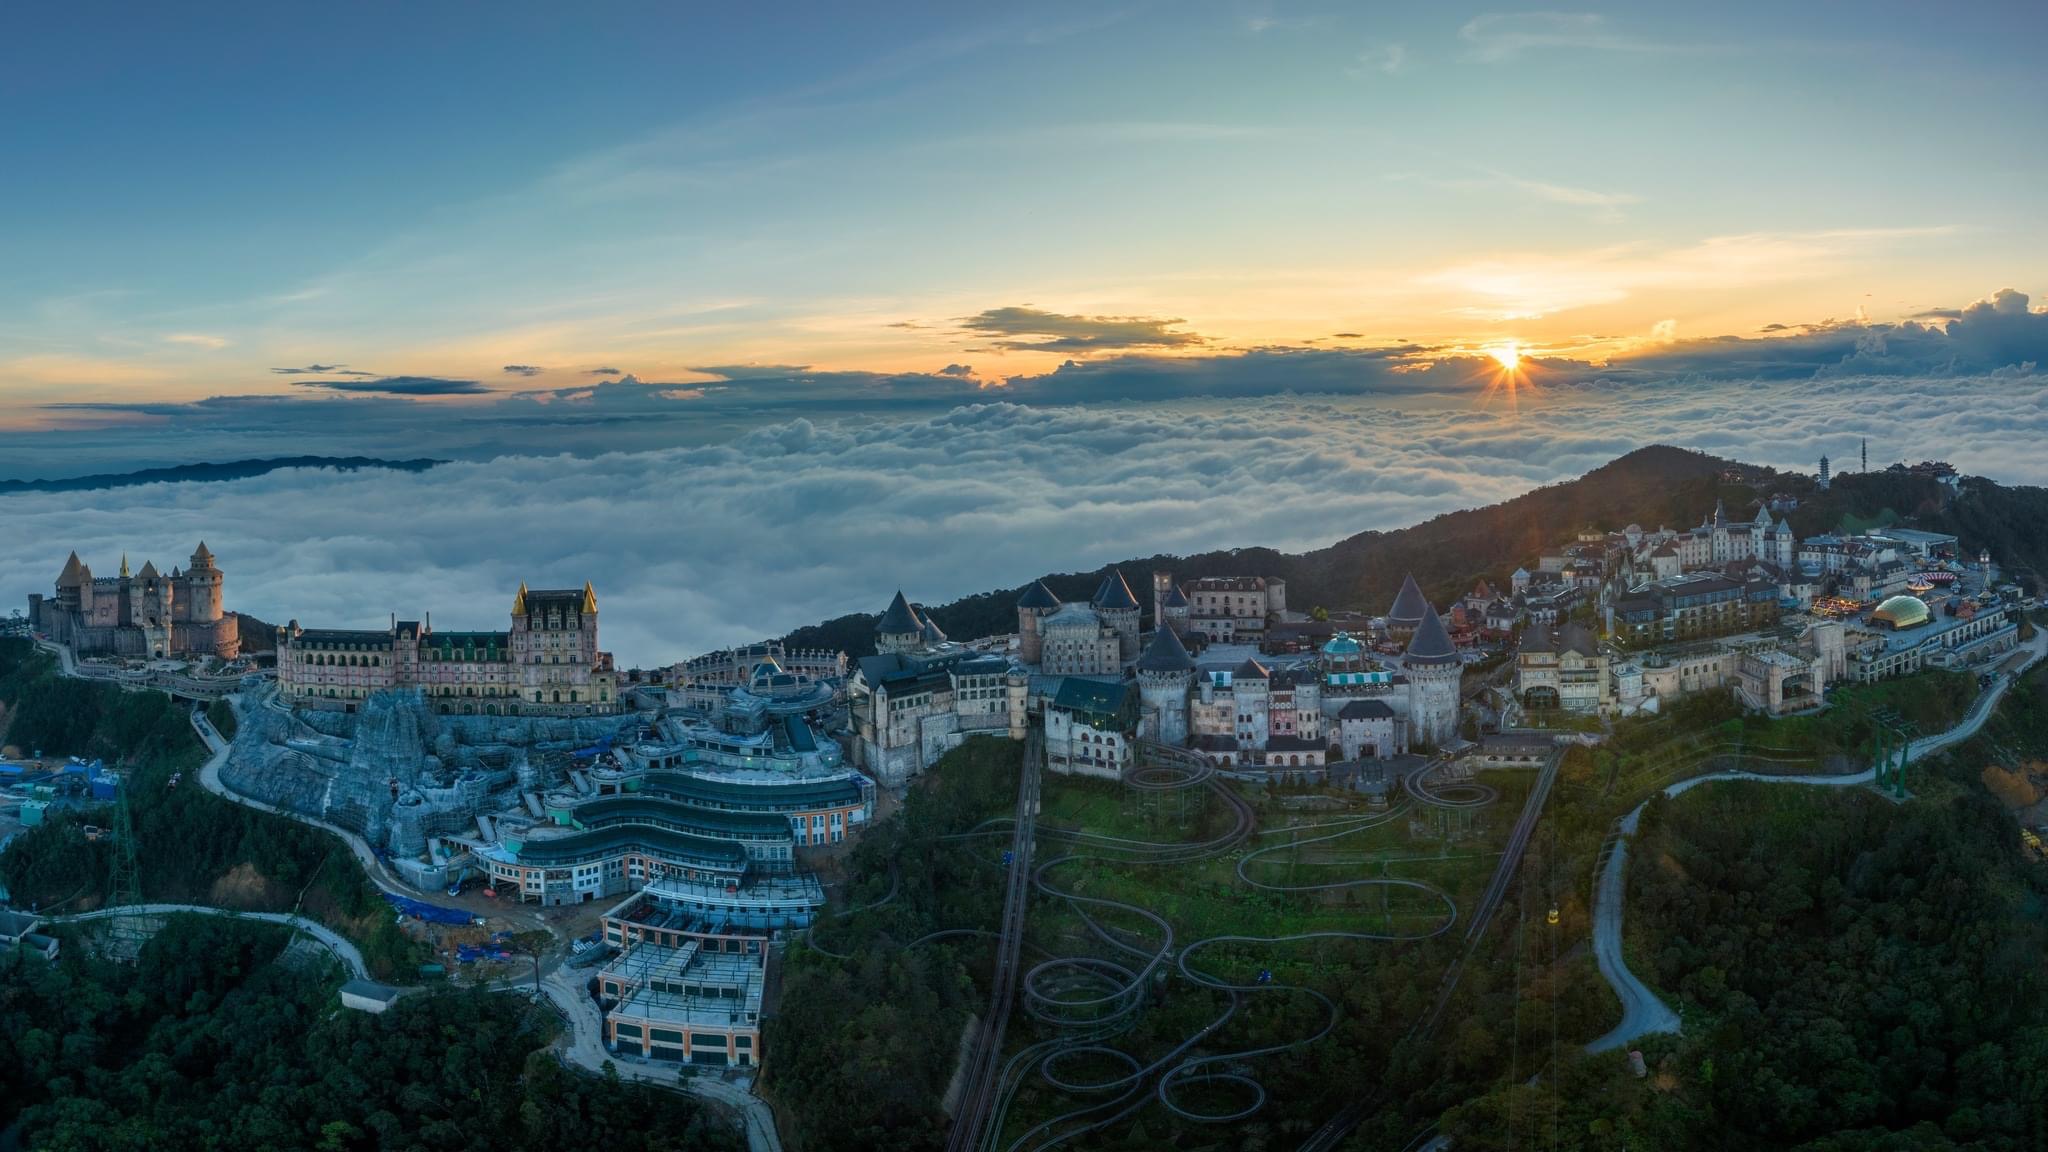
(547, 664)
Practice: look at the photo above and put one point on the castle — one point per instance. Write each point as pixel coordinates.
(547, 664)
(143, 614)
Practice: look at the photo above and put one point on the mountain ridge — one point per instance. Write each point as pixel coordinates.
(205, 472)
(1658, 485)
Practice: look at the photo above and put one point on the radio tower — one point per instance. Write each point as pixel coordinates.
(125, 934)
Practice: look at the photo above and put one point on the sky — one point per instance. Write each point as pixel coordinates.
(353, 202)
(752, 317)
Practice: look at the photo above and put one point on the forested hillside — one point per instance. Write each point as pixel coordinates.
(210, 1042)
(194, 847)
(1654, 486)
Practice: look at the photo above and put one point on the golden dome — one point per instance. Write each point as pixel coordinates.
(1901, 612)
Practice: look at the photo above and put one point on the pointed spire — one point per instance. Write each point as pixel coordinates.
(589, 599)
(201, 558)
(1115, 593)
(1431, 643)
(73, 574)
(899, 619)
(1408, 605)
(1165, 653)
(124, 566)
(519, 600)
(1038, 596)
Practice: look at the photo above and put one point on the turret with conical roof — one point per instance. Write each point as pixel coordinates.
(1431, 642)
(1165, 653)
(1434, 669)
(1115, 592)
(1409, 605)
(1034, 605)
(1119, 609)
(1165, 673)
(900, 629)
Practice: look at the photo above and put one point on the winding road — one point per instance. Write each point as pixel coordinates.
(374, 866)
(1642, 1012)
(334, 941)
(584, 1045)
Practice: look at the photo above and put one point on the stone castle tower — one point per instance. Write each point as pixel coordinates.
(202, 588)
(900, 629)
(143, 614)
(1035, 605)
(1169, 604)
(1434, 670)
(1165, 673)
(1119, 609)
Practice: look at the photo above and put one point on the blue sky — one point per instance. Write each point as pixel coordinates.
(443, 193)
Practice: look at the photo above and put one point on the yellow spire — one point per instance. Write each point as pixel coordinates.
(519, 601)
(589, 599)
(124, 565)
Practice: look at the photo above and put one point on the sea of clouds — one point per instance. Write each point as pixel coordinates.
(696, 547)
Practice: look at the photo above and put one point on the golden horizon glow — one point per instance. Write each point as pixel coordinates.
(1509, 355)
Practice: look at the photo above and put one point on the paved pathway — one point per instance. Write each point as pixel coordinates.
(585, 1046)
(1642, 1012)
(335, 942)
(374, 867)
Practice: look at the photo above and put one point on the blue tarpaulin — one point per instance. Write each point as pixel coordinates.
(422, 910)
(594, 751)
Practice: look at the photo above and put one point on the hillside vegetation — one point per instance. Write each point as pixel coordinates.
(193, 846)
(211, 1042)
(1654, 486)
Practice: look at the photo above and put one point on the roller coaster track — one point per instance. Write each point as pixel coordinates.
(978, 1096)
(1086, 1000)
(1339, 1126)
(1083, 1002)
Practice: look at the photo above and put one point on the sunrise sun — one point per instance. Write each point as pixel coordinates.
(1509, 355)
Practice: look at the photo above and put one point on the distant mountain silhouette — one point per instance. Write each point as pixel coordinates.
(231, 470)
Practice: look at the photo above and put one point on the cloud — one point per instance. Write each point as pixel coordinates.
(1036, 330)
(401, 386)
(1539, 284)
(1506, 35)
(1567, 194)
(601, 372)
(957, 501)
(523, 370)
(1386, 59)
(321, 370)
(1999, 334)
(197, 340)
(959, 370)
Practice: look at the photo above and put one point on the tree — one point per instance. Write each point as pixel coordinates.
(533, 944)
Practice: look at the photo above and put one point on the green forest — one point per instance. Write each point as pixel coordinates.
(863, 1047)
(1855, 974)
(213, 1042)
(192, 846)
